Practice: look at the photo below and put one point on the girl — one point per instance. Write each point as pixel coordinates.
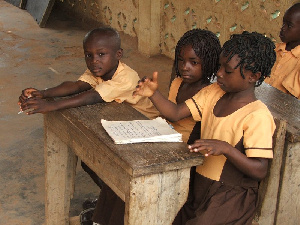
(196, 61)
(236, 133)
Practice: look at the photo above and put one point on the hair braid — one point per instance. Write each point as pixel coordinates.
(256, 53)
(206, 46)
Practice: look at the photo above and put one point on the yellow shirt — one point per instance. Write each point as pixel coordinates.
(120, 89)
(184, 126)
(285, 72)
(252, 124)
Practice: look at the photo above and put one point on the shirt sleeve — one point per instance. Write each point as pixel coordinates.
(118, 89)
(292, 83)
(89, 78)
(258, 129)
(197, 103)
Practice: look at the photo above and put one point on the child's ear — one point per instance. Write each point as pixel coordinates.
(254, 77)
(119, 53)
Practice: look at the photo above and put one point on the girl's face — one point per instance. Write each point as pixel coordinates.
(189, 65)
(229, 78)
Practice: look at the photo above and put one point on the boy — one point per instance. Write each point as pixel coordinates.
(106, 80)
(285, 73)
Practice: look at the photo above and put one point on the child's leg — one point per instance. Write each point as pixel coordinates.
(110, 208)
(198, 190)
(92, 174)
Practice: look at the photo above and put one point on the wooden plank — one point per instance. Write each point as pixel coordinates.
(269, 187)
(157, 198)
(283, 107)
(60, 166)
(40, 10)
(289, 200)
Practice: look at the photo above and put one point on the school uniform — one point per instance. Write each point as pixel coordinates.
(285, 72)
(120, 89)
(221, 193)
(186, 125)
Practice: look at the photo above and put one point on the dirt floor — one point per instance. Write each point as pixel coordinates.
(43, 57)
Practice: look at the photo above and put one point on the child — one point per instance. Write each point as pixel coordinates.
(194, 69)
(106, 80)
(285, 73)
(236, 133)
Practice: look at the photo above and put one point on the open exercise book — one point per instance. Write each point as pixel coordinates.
(136, 131)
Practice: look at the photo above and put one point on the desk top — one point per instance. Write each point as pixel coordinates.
(282, 106)
(84, 123)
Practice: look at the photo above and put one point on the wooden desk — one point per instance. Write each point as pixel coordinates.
(152, 178)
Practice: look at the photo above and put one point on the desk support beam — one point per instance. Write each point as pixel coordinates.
(156, 198)
(60, 165)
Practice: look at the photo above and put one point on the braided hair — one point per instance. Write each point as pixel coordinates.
(206, 46)
(256, 53)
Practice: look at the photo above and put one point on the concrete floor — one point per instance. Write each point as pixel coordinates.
(43, 57)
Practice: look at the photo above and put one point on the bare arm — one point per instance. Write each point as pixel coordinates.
(67, 88)
(38, 105)
(148, 87)
(64, 89)
(255, 168)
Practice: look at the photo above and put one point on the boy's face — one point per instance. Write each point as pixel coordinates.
(230, 79)
(189, 65)
(290, 30)
(101, 56)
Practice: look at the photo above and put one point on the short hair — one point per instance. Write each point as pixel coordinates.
(206, 46)
(256, 53)
(107, 31)
(295, 6)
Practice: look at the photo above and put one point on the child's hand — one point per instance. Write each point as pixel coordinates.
(210, 147)
(146, 87)
(28, 93)
(37, 105)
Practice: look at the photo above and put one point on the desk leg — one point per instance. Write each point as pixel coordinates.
(156, 199)
(60, 165)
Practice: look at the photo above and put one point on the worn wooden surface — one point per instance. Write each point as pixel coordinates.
(269, 187)
(282, 106)
(60, 164)
(286, 107)
(160, 168)
(157, 193)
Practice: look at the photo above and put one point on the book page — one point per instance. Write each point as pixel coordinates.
(157, 130)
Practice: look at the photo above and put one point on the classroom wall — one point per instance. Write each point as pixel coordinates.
(158, 24)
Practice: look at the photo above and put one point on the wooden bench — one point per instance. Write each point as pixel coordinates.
(279, 191)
